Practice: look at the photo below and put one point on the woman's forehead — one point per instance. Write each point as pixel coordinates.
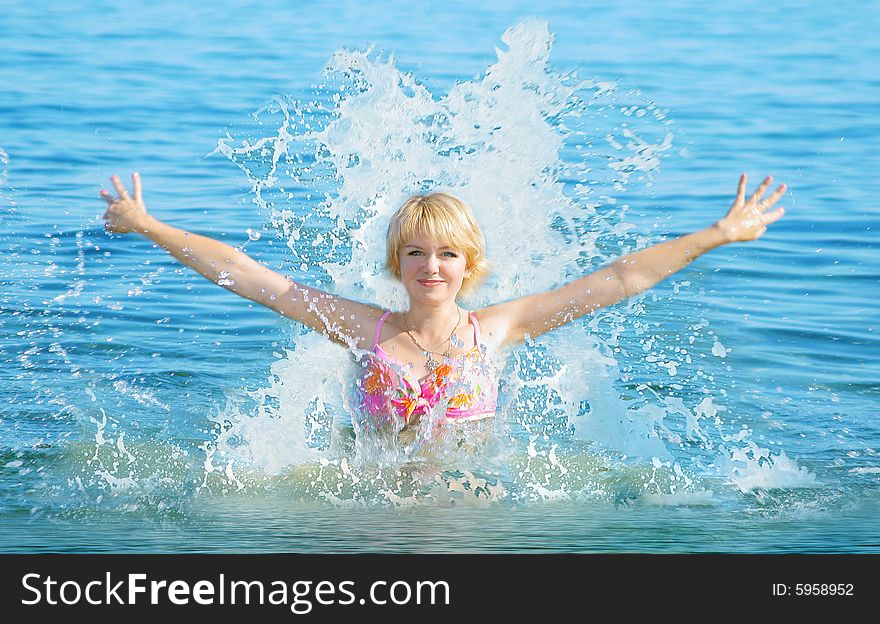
(425, 242)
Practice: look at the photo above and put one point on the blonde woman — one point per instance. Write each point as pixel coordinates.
(434, 353)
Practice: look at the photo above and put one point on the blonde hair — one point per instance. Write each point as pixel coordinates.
(442, 217)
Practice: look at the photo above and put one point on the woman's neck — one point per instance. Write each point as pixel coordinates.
(433, 321)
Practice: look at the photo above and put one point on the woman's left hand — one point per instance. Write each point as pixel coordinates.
(748, 220)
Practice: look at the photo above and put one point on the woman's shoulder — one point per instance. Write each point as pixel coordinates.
(365, 325)
(494, 326)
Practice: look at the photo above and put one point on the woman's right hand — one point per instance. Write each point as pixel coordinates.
(124, 213)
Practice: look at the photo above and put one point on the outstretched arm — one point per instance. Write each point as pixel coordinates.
(341, 320)
(631, 274)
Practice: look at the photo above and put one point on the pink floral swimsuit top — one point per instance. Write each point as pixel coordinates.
(389, 391)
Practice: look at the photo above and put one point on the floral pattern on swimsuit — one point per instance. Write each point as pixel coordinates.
(391, 396)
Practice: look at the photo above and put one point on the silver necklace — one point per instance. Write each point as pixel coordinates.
(430, 362)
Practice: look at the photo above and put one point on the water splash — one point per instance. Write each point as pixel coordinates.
(541, 156)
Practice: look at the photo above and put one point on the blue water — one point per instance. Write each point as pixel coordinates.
(730, 409)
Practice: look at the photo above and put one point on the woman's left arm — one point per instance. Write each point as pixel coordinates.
(631, 274)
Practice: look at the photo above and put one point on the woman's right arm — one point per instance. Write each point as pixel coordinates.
(344, 321)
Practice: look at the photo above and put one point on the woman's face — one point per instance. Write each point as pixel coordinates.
(431, 270)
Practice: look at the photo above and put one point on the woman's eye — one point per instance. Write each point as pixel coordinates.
(416, 252)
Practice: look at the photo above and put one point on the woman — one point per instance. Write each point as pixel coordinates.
(428, 364)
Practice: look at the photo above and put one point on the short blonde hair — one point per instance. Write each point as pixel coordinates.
(442, 217)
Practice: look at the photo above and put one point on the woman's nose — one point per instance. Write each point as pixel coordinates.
(432, 263)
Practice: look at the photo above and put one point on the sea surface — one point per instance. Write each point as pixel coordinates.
(731, 408)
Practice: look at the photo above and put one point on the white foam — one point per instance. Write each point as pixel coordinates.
(752, 467)
(866, 470)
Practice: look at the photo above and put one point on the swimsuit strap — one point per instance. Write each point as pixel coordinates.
(476, 325)
(379, 328)
(472, 316)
